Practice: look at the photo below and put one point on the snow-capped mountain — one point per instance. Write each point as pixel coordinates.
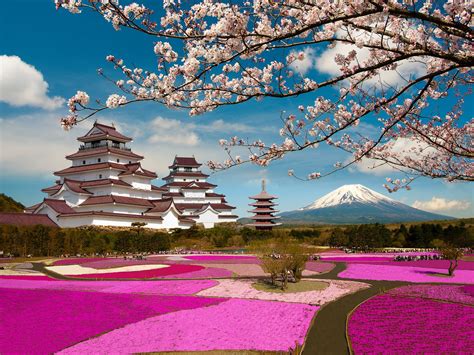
(357, 204)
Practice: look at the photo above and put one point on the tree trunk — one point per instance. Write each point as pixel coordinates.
(453, 264)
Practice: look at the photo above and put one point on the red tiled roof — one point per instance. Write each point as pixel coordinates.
(101, 151)
(186, 219)
(54, 188)
(196, 174)
(263, 203)
(104, 182)
(106, 132)
(26, 219)
(187, 184)
(185, 162)
(213, 194)
(223, 216)
(59, 206)
(75, 186)
(31, 209)
(111, 214)
(136, 169)
(123, 200)
(161, 205)
(263, 210)
(199, 206)
(90, 167)
(264, 217)
(263, 196)
(156, 188)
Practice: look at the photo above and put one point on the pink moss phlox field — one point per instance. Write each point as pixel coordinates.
(144, 274)
(433, 264)
(404, 273)
(120, 262)
(231, 325)
(54, 320)
(239, 269)
(79, 261)
(439, 292)
(208, 272)
(469, 289)
(27, 277)
(387, 324)
(319, 266)
(244, 289)
(223, 259)
(184, 287)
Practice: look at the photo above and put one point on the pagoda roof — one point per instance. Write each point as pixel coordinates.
(101, 151)
(59, 206)
(263, 203)
(263, 224)
(111, 199)
(263, 196)
(264, 217)
(26, 219)
(90, 167)
(111, 214)
(263, 210)
(101, 131)
(185, 162)
(136, 169)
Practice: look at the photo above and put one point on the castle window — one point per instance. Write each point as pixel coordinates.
(100, 176)
(98, 160)
(83, 162)
(118, 160)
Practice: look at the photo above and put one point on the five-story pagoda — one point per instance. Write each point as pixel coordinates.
(263, 210)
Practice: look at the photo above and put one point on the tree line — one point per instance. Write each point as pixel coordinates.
(50, 241)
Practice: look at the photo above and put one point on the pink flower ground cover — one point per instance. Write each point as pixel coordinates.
(230, 325)
(239, 269)
(79, 261)
(206, 272)
(224, 259)
(387, 324)
(120, 262)
(403, 273)
(433, 264)
(27, 277)
(438, 292)
(46, 321)
(144, 274)
(244, 289)
(171, 287)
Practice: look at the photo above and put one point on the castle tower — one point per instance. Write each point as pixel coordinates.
(263, 210)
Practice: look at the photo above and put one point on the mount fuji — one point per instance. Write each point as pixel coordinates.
(355, 204)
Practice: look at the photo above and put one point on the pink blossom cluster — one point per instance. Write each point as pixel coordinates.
(406, 325)
(230, 325)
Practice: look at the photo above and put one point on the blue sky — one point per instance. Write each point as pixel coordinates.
(68, 49)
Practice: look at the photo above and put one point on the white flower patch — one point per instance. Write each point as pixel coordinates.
(81, 270)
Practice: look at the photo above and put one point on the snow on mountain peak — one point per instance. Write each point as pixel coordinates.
(348, 194)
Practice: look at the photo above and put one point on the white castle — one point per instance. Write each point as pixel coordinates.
(107, 186)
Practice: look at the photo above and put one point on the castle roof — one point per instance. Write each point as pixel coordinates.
(184, 174)
(26, 219)
(189, 162)
(111, 199)
(161, 205)
(136, 169)
(193, 185)
(59, 206)
(199, 206)
(101, 131)
(101, 151)
(111, 214)
(90, 167)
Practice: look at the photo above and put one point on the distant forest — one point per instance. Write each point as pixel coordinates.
(47, 241)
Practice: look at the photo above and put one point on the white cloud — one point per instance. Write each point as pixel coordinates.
(172, 131)
(21, 84)
(302, 66)
(442, 204)
(325, 63)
